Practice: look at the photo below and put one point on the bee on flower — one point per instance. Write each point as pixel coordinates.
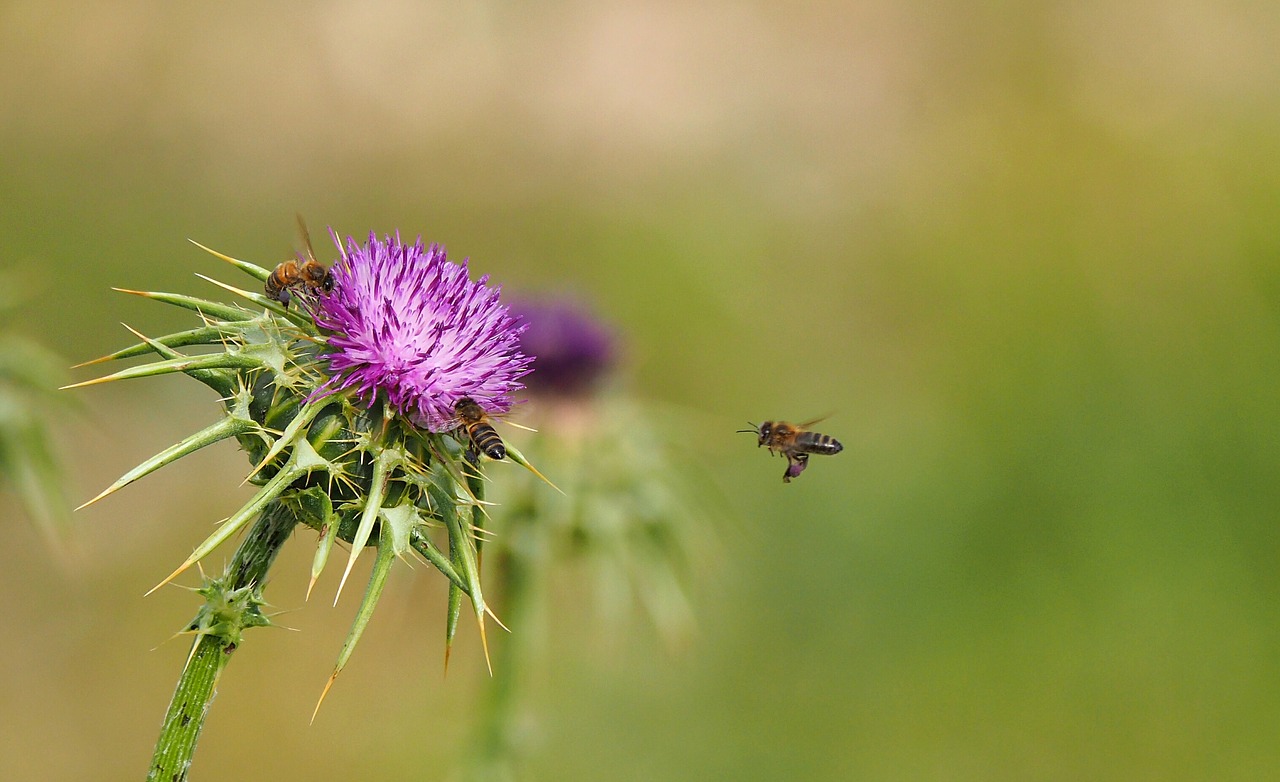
(347, 410)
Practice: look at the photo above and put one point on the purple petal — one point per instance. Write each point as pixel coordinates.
(407, 323)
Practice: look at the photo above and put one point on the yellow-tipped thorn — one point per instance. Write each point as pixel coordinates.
(254, 472)
(448, 647)
(495, 618)
(310, 586)
(175, 635)
(323, 695)
(226, 287)
(136, 333)
(170, 577)
(519, 459)
(94, 382)
(484, 643)
(91, 362)
(130, 291)
(104, 493)
(544, 478)
(215, 253)
(350, 561)
(268, 459)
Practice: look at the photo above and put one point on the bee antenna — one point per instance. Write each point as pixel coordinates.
(753, 430)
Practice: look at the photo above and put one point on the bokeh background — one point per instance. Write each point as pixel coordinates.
(1027, 254)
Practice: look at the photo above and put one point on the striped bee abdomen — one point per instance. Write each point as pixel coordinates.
(486, 440)
(815, 442)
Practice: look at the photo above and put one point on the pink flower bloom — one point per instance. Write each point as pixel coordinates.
(408, 324)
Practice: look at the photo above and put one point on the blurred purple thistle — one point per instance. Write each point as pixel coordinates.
(572, 349)
(407, 322)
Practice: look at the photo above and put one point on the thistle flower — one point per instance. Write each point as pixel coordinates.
(409, 324)
(345, 412)
(573, 350)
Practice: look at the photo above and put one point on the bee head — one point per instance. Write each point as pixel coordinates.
(317, 276)
(468, 410)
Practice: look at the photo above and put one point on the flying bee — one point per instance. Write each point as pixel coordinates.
(484, 438)
(304, 275)
(794, 441)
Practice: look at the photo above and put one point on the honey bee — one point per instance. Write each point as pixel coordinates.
(484, 438)
(307, 276)
(795, 442)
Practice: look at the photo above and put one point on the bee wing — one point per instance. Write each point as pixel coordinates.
(453, 423)
(813, 421)
(305, 236)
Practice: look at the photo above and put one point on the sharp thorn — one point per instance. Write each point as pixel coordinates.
(495, 618)
(323, 695)
(484, 642)
(104, 493)
(170, 577)
(350, 562)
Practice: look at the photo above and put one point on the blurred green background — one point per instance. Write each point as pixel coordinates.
(1028, 253)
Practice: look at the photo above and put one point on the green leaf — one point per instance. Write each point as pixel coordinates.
(428, 551)
(208, 309)
(302, 462)
(328, 534)
(377, 582)
(230, 426)
(463, 557)
(183, 364)
(205, 335)
(386, 459)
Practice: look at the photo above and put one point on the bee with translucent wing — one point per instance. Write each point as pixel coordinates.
(474, 420)
(307, 276)
(794, 441)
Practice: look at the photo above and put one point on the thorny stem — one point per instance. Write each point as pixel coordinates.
(199, 680)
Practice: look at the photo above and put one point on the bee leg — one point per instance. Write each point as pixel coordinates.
(795, 466)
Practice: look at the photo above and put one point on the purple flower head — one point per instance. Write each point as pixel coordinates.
(572, 350)
(408, 323)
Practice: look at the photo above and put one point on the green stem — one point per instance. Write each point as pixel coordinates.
(198, 682)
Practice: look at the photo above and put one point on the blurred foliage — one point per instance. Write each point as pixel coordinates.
(1027, 253)
(29, 466)
(631, 535)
